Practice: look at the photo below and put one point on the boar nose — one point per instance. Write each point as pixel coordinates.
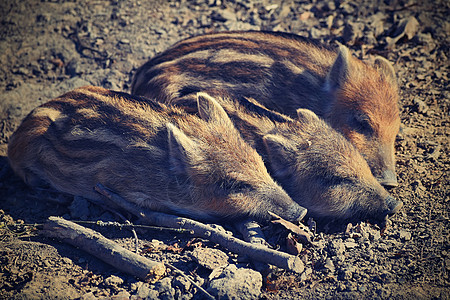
(393, 205)
(389, 179)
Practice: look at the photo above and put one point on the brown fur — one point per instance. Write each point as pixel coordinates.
(151, 154)
(315, 164)
(285, 72)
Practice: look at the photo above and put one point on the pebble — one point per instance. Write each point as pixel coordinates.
(210, 258)
(113, 280)
(305, 274)
(352, 31)
(350, 245)
(346, 273)
(405, 235)
(420, 106)
(236, 283)
(67, 260)
(336, 247)
(164, 288)
(182, 283)
(144, 292)
(121, 295)
(329, 265)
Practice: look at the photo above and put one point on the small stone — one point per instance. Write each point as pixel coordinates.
(336, 247)
(350, 245)
(362, 288)
(182, 283)
(67, 260)
(382, 247)
(346, 273)
(420, 106)
(144, 292)
(352, 32)
(165, 289)
(88, 296)
(305, 274)
(236, 283)
(223, 15)
(113, 280)
(329, 265)
(405, 235)
(210, 258)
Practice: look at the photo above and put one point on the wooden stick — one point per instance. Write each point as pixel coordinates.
(104, 249)
(252, 233)
(256, 252)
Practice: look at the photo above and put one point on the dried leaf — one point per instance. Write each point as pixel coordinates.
(293, 247)
(175, 248)
(301, 233)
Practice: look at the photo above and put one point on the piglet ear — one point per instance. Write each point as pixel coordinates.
(340, 70)
(280, 154)
(211, 111)
(386, 69)
(182, 150)
(304, 114)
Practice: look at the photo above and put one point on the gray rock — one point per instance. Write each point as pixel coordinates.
(234, 283)
(223, 15)
(72, 83)
(352, 32)
(405, 235)
(336, 247)
(182, 283)
(145, 292)
(420, 106)
(88, 296)
(306, 273)
(113, 281)
(350, 244)
(121, 295)
(164, 289)
(210, 258)
(329, 265)
(346, 273)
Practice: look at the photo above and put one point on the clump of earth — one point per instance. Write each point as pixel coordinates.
(50, 47)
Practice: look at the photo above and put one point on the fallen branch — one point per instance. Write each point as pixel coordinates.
(252, 233)
(104, 249)
(256, 252)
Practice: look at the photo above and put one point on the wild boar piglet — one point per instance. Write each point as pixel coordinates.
(153, 155)
(315, 164)
(284, 72)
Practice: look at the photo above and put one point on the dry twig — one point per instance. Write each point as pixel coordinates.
(104, 249)
(256, 252)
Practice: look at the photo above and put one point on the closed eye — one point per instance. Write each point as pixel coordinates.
(361, 123)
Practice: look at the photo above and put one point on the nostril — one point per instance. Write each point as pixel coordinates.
(393, 205)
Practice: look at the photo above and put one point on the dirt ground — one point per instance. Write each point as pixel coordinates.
(48, 47)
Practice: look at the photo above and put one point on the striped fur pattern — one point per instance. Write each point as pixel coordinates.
(151, 154)
(285, 72)
(314, 163)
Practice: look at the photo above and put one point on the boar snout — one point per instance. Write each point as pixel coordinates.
(285, 207)
(393, 205)
(388, 179)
